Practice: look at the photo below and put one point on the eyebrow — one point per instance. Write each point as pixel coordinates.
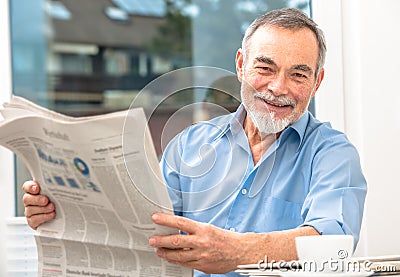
(302, 67)
(267, 60)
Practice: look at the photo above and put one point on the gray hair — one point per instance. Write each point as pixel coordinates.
(290, 19)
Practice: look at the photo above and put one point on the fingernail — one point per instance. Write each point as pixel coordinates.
(43, 200)
(155, 217)
(34, 188)
(152, 242)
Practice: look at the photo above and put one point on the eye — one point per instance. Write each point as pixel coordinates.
(265, 69)
(299, 75)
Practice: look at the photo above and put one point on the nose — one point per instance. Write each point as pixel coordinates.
(277, 84)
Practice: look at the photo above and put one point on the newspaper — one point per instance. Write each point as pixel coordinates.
(104, 193)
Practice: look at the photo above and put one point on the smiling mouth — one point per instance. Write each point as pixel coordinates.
(277, 104)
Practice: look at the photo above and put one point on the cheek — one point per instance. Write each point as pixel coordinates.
(260, 81)
(302, 98)
(253, 79)
(246, 91)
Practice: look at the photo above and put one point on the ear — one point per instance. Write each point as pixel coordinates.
(320, 77)
(239, 64)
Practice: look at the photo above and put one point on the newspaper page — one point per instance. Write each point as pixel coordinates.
(104, 193)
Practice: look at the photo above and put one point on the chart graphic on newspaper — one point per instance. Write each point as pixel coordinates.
(103, 220)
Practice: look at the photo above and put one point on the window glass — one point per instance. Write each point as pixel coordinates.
(91, 57)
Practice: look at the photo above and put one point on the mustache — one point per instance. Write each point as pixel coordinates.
(282, 100)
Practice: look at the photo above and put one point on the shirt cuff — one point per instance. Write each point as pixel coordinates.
(328, 227)
(325, 226)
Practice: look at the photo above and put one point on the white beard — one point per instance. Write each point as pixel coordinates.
(265, 122)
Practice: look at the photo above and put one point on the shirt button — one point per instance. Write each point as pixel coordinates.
(244, 191)
(232, 229)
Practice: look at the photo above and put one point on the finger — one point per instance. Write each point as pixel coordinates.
(178, 222)
(31, 187)
(35, 200)
(37, 210)
(172, 241)
(193, 264)
(177, 255)
(35, 221)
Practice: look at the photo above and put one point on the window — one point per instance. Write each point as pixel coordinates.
(91, 57)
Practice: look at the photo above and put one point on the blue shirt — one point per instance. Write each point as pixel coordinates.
(311, 175)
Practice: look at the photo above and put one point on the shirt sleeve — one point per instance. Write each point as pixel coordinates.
(335, 202)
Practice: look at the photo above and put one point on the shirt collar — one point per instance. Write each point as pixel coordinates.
(237, 121)
(300, 127)
(234, 124)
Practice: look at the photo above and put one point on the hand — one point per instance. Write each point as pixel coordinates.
(38, 208)
(205, 247)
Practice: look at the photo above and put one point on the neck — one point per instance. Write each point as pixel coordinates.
(259, 142)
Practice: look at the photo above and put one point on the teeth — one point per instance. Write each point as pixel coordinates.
(277, 102)
(274, 104)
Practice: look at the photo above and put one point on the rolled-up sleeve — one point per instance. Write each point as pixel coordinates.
(335, 202)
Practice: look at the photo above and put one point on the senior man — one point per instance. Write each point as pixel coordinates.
(270, 171)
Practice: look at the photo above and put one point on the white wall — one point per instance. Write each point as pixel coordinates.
(6, 157)
(7, 203)
(361, 97)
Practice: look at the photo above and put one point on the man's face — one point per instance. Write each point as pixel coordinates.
(278, 76)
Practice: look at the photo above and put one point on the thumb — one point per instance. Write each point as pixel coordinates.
(31, 187)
